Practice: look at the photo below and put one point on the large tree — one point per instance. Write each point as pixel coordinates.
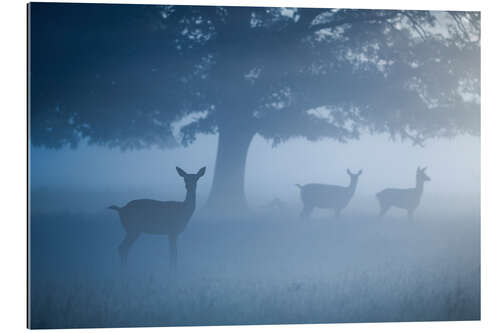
(123, 75)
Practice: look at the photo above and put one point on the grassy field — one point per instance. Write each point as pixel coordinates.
(257, 271)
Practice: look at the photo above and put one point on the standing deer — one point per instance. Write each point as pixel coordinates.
(327, 196)
(158, 217)
(408, 198)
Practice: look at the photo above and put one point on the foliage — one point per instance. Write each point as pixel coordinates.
(127, 75)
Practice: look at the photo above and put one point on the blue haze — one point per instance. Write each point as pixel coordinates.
(272, 268)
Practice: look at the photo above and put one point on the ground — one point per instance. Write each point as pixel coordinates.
(258, 270)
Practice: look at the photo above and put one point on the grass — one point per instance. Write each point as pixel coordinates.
(357, 269)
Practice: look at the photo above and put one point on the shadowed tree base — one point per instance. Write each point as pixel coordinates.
(224, 210)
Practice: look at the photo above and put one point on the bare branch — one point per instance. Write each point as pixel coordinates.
(417, 139)
(418, 28)
(457, 18)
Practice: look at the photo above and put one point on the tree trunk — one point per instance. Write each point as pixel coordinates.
(227, 196)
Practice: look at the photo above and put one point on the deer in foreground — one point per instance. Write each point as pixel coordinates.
(408, 198)
(327, 196)
(158, 217)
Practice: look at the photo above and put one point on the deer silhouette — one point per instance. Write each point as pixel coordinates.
(158, 217)
(327, 196)
(408, 198)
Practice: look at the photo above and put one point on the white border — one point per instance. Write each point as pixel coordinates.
(13, 166)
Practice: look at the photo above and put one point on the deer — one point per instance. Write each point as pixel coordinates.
(328, 196)
(158, 217)
(408, 198)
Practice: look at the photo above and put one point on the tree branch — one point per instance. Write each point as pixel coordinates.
(417, 139)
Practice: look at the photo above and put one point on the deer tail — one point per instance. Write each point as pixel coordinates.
(113, 207)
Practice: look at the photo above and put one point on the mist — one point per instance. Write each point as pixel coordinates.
(335, 268)
(271, 171)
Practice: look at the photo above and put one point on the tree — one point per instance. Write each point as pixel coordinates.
(242, 71)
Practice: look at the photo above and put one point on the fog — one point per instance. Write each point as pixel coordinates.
(271, 266)
(77, 176)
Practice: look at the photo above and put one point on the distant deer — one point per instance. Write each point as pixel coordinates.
(408, 198)
(327, 196)
(158, 217)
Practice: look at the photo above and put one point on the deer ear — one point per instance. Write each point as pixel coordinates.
(424, 168)
(181, 172)
(418, 169)
(349, 172)
(360, 172)
(201, 172)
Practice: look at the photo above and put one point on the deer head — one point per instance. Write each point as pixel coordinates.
(421, 175)
(190, 179)
(354, 176)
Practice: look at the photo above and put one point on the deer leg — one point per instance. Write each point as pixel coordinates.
(383, 209)
(410, 214)
(306, 211)
(123, 249)
(172, 240)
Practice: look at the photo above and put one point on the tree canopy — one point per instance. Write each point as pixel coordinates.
(120, 75)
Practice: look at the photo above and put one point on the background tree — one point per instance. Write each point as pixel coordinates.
(121, 75)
